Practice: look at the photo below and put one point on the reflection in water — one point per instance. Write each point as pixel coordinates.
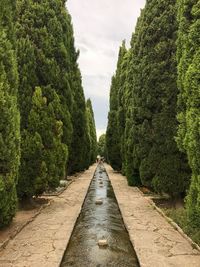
(100, 222)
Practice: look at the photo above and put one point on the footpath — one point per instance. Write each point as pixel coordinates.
(43, 242)
(155, 241)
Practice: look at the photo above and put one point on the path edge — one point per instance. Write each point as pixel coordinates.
(169, 220)
(125, 224)
(6, 242)
(78, 214)
(44, 206)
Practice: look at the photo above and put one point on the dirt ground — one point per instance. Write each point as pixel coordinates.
(162, 201)
(165, 203)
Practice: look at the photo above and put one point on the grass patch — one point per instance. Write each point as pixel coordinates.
(179, 216)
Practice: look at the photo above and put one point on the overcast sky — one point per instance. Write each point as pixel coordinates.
(99, 28)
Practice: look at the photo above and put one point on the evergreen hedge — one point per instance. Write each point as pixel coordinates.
(188, 138)
(10, 119)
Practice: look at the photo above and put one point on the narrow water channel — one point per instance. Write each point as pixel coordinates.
(97, 222)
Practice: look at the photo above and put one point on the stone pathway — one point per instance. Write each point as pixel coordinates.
(42, 243)
(156, 242)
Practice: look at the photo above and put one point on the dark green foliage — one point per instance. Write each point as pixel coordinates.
(92, 132)
(132, 137)
(116, 114)
(48, 69)
(27, 77)
(101, 148)
(112, 132)
(122, 74)
(120, 124)
(50, 99)
(188, 55)
(79, 150)
(129, 163)
(161, 165)
(145, 126)
(10, 120)
(43, 48)
(44, 155)
(44, 54)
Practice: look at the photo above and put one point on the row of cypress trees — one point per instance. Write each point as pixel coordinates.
(47, 127)
(154, 119)
(10, 119)
(101, 146)
(188, 137)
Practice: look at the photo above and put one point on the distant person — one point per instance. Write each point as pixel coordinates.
(98, 159)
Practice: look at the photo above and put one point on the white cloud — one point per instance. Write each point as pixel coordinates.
(99, 27)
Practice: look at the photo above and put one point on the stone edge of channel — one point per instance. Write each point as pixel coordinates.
(173, 224)
(169, 220)
(78, 214)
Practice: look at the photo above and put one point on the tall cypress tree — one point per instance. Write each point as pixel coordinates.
(10, 119)
(92, 132)
(113, 138)
(79, 152)
(44, 56)
(101, 146)
(188, 55)
(44, 153)
(122, 73)
(161, 165)
(132, 136)
(46, 48)
(112, 132)
(45, 35)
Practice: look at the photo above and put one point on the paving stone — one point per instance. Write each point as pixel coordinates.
(44, 240)
(156, 242)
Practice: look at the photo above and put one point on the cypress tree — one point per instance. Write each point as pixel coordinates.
(112, 132)
(10, 119)
(44, 54)
(161, 165)
(130, 144)
(101, 146)
(92, 132)
(188, 55)
(122, 73)
(79, 150)
(44, 153)
(113, 138)
(123, 103)
(44, 58)
(132, 137)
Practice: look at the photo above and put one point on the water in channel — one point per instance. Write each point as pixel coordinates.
(100, 222)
